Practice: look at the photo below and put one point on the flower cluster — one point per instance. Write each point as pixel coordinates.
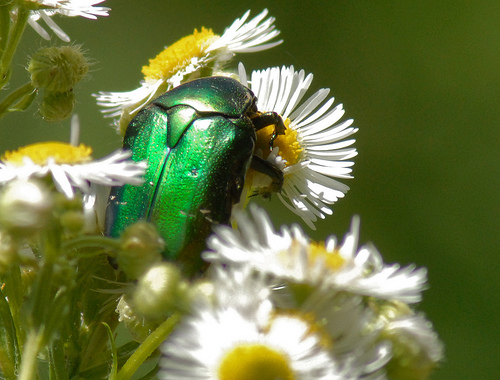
(255, 302)
(284, 305)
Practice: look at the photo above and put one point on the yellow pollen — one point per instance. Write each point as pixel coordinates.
(179, 55)
(39, 153)
(332, 260)
(255, 362)
(289, 147)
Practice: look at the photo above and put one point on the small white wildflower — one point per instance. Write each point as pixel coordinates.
(70, 167)
(290, 255)
(185, 58)
(227, 339)
(314, 151)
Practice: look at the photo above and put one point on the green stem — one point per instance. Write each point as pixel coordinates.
(4, 27)
(15, 35)
(43, 296)
(30, 354)
(15, 96)
(51, 243)
(91, 241)
(147, 347)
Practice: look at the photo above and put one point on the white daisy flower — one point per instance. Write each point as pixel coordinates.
(45, 9)
(184, 59)
(255, 243)
(314, 150)
(225, 339)
(290, 255)
(71, 166)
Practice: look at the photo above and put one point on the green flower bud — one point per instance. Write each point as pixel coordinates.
(141, 247)
(25, 207)
(57, 106)
(58, 69)
(73, 221)
(157, 291)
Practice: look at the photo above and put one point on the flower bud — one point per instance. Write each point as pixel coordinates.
(57, 106)
(157, 291)
(24, 207)
(141, 247)
(73, 221)
(58, 69)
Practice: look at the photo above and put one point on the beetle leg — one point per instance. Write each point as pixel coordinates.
(265, 167)
(262, 120)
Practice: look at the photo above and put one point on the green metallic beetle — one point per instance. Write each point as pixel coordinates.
(199, 142)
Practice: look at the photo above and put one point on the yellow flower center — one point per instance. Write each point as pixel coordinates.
(39, 153)
(289, 147)
(255, 362)
(179, 54)
(332, 260)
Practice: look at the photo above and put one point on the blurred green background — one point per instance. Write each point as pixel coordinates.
(422, 81)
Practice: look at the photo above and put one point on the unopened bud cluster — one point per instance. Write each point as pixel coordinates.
(57, 70)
